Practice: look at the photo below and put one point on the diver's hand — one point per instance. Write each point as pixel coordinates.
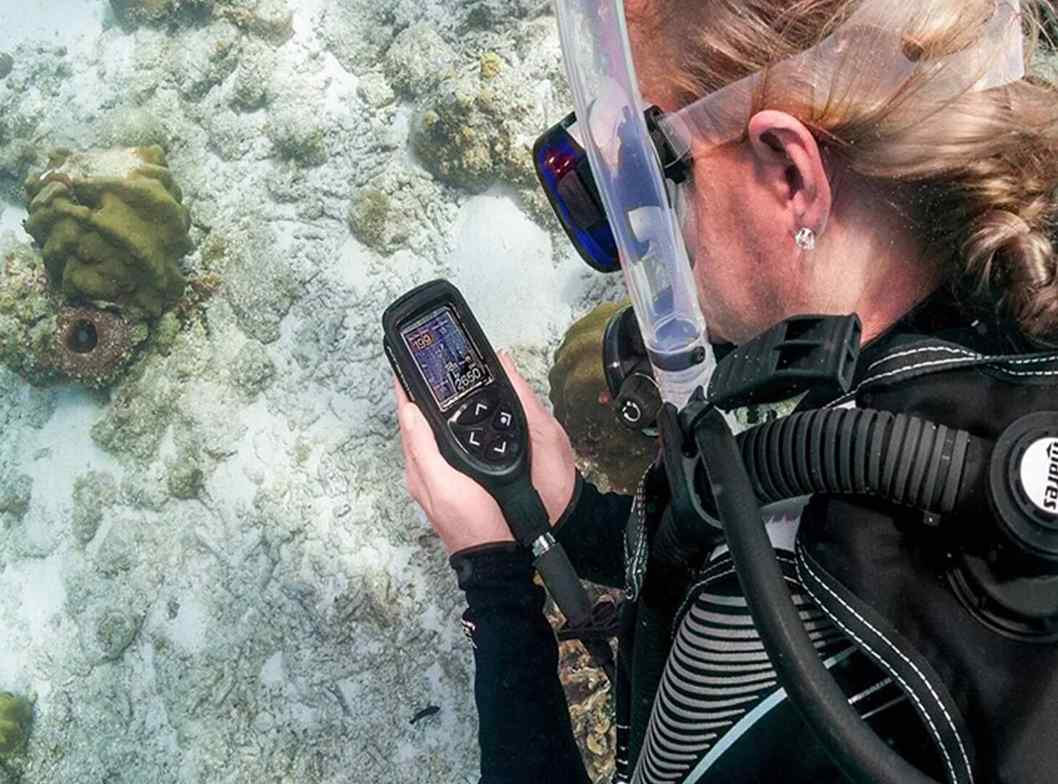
(553, 469)
(459, 509)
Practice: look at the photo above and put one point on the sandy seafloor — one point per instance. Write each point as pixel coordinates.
(286, 623)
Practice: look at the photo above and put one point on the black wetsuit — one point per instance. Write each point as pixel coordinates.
(702, 698)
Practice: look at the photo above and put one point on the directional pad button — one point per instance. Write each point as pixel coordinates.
(472, 439)
(504, 419)
(475, 411)
(502, 448)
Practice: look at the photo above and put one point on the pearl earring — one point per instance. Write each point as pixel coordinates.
(805, 239)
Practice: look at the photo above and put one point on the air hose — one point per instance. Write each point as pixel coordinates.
(902, 459)
(855, 748)
(898, 458)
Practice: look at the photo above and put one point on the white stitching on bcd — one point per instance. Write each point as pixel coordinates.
(803, 561)
(852, 394)
(995, 361)
(899, 354)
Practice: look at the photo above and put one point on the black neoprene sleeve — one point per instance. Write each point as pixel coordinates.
(524, 728)
(592, 533)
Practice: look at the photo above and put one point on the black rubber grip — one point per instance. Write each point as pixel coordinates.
(564, 586)
(523, 509)
(903, 459)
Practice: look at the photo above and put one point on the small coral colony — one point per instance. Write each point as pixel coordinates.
(110, 231)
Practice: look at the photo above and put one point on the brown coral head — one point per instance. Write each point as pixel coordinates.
(92, 345)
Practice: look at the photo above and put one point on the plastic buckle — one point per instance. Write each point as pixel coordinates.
(801, 353)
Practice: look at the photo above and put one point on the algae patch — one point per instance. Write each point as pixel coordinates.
(582, 404)
(16, 720)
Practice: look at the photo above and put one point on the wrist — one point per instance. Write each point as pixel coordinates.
(491, 564)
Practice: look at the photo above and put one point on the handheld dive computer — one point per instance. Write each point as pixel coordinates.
(447, 367)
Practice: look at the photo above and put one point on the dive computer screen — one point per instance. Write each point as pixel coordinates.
(449, 361)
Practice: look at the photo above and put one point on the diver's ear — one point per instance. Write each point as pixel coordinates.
(791, 163)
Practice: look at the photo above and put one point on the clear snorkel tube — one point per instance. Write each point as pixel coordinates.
(611, 128)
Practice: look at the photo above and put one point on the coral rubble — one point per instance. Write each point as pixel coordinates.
(268, 19)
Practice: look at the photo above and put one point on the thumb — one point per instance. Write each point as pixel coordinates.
(421, 442)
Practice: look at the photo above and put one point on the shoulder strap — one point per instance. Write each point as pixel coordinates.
(929, 356)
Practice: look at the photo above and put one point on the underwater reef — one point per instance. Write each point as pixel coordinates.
(209, 564)
(44, 339)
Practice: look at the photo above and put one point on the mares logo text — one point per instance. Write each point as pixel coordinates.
(1050, 493)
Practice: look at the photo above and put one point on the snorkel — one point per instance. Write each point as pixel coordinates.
(621, 212)
(612, 130)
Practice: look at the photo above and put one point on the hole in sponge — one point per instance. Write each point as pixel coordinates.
(82, 338)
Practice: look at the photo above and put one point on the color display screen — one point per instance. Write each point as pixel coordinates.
(446, 357)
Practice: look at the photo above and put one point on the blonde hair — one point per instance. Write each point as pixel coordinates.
(977, 172)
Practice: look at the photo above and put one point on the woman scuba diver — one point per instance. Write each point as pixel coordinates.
(892, 160)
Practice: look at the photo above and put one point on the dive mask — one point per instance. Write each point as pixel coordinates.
(564, 171)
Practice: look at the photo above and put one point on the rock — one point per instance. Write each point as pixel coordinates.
(250, 83)
(254, 369)
(582, 404)
(472, 132)
(117, 554)
(15, 495)
(356, 32)
(7, 64)
(185, 479)
(491, 65)
(114, 633)
(397, 209)
(369, 216)
(94, 493)
(259, 281)
(16, 721)
(418, 59)
(112, 227)
(374, 91)
(154, 12)
(271, 20)
(139, 414)
(297, 137)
